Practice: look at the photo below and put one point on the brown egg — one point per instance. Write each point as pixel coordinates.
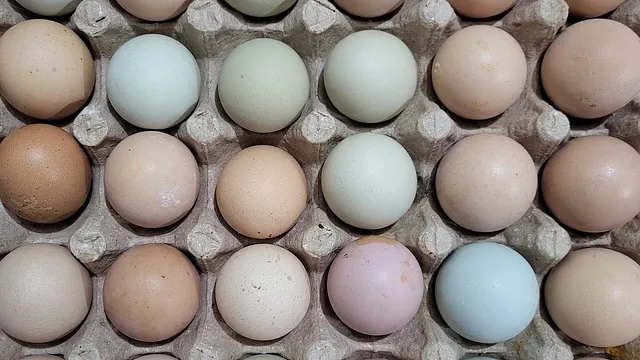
(45, 175)
(481, 8)
(369, 8)
(593, 295)
(261, 192)
(46, 71)
(155, 10)
(592, 184)
(592, 8)
(151, 292)
(592, 69)
(486, 182)
(479, 72)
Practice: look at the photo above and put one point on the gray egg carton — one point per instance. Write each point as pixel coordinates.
(210, 29)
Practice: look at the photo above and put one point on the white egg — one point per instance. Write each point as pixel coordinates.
(153, 82)
(263, 85)
(50, 7)
(261, 8)
(369, 181)
(370, 76)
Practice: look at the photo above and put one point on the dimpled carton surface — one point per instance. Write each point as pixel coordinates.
(210, 29)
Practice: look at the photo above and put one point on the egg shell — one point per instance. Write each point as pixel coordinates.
(486, 292)
(479, 72)
(593, 296)
(262, 292)
(370, 76)
(261, 192)
(486, 182)
(369, 181)
(605, 172)
(156, 357)
(375, 285)
(592, 69)
(481, 8)
(263, 85)
(155, 10)
(261, 8)
(153, 82)
(46, 71)
(50, 7)
(45, 293)
(151, 179)
(41, 357)
(591, 8)
(45, 175)
(151, 292)
(369, 8)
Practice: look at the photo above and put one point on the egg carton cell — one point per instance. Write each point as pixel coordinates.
(211, 29)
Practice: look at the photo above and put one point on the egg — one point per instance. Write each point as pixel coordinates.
(45, 293)
(481, 8)
(592, 69)
(369, 8)
(153, 82)
(262, 292)
(370, 76)
(486, 182)
(263, 85)
(151, 292)
(50, 7)
(369, 181)
(45, 175)
(486, 292)
(592, 184)
(46, 71)
(155, 10)
(151, 179)
(479, 72)
(593, 296)
(156, 357)
(261, 192)
(591, 8)
(375, 285)
(261, 8)
(41, 357)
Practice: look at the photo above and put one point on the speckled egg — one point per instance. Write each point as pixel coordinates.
(155, 10)
(375, 285)
(261, 8)
(591, 8)
(262, 292)
(369, 8)
(45, 175)
(481, 8)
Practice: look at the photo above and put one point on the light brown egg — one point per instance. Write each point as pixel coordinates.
(45, 175)
(486, 182)
(479, 72)
(592, 69)
(46, 71)
(155, 10)
(369, 8)
(592, 184)
(481, 8)
(593, 296)
(592, 8)
(151, 292)
(261, 192)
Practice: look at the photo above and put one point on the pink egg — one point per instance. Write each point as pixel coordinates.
(375, 285)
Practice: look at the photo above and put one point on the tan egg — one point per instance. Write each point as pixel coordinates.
(479, 72)
(151, 179)
(261, 192)
(593, 296)
(486, 182)
(592, 184)
(46, 71)
(592, 8)
(592, 69)
(155, 10)
(369, 8)
(151, 292)
(45, 175)
(481, 8)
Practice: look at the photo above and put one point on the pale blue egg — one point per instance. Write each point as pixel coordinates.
(50, 7)
(487, 292)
